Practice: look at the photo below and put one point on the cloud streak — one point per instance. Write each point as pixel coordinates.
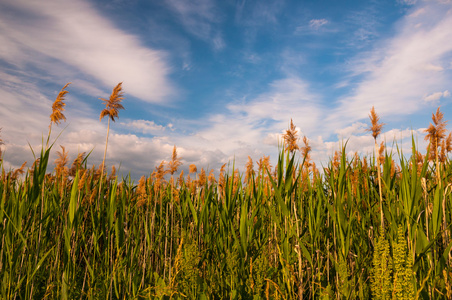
(400, 69)
(317, 23)
(42, 34)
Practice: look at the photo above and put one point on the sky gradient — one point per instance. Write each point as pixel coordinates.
(220, 79)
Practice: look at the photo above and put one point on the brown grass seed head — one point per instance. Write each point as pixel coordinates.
(113, 104)
(175, 162)
(376, 126)
(58, 106)
(437, 132)
(290, 138)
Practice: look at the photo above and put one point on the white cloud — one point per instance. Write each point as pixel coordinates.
(409, 2)
(348, 131)
(436, 96)
(401, 68)
(317, 23)
(44, 35)
(144, 126)
(199, 18)
(430, 67)
(417, 13)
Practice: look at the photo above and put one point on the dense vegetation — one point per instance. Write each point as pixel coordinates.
(365, 227)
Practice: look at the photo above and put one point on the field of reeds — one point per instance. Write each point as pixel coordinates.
(364, 227)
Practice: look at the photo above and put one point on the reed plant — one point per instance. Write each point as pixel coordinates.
(363, 227)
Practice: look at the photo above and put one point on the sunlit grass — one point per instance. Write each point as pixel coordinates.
(365, 227)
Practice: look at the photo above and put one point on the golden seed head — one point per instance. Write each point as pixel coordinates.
(175, 162)
(58, 106)
(436, 132)
(113, 104)
(192, 169)
(290, 138)
(376, 126)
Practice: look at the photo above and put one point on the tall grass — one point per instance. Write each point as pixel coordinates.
(283, 232)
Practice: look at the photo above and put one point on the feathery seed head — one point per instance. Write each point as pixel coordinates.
(202, 178)
(211, 178)
(19, 171)
(77, 164)
(180, 181)
(249, 170)
(159, 172)
(175, 162)
(58, 106)
(306, 149)
(61, 161)
(376, 126)
(449, 143)
(436, 133)
(264, 163)
(192, 169)
(113, 104)
(1, 143)
(290, 138)
(381, 157)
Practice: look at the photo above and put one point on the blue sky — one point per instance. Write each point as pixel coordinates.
(220, 79)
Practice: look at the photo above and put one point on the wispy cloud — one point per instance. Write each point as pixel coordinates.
(200, 18)
(315, 26)
(43, 35)
(365, 24)
(399, 70)
(144, 126)
(434, 97)
(317, 23)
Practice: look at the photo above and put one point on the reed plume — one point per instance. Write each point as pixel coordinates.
(202, 178)
(290, 138)
(221, 181)
(159, 175)
(1, 143)
(192, 169)
(306, 150)
(112, 175)
(435, 134)
(211, 178)
(57, 110)
(112, 106)
(61, 162)
(77, 164)
(141, 192)
(448, 145)
(58, 107)
(181, 181)
(18, 172)
(375, 128)
(175, 162)
(264, 163)
(381, 156)
(249, 174)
